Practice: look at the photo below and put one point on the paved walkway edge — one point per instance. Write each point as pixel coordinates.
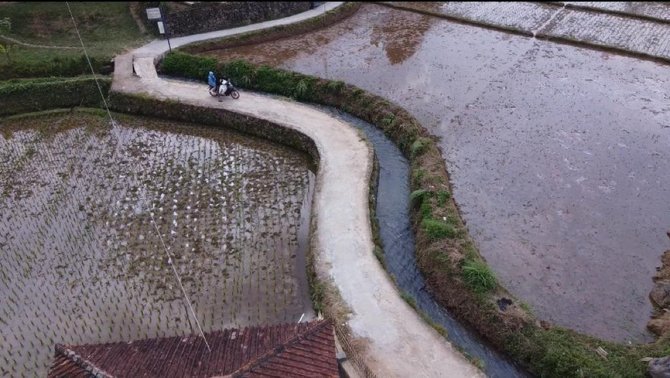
(395, 341)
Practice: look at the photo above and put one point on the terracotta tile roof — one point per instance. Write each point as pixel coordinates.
(289, 350)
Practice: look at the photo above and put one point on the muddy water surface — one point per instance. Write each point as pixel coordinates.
(559, 156)
(81, 208)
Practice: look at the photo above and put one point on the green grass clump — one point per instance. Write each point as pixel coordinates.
(479, 276)
(559, 352)
(437, 229)
(442, 197)
(417, 176)
(317, 295)
(419, 146)
(335, 86)
(388, 119)
(418, 195)
(301, 89)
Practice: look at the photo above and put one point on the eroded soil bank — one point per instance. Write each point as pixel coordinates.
(82, 260)
(557, 154)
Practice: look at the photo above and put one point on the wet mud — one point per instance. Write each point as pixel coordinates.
(558, 155)
(83, 262)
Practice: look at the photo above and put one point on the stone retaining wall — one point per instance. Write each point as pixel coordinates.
(33, 95)
(204, 17)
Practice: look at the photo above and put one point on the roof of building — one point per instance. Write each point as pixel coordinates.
(288, 350)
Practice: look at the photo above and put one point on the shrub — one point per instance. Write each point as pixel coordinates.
(419, 146)
(442, 197)
(388, 119)
(181, 64)
(418, 196)
(478, 276)
(335, 86)
(437, 229)
(301, 89)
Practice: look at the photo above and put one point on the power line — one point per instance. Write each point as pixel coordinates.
(179, 280)
(150, 212)
(89, 62)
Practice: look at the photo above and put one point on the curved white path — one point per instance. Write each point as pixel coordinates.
(398, 343)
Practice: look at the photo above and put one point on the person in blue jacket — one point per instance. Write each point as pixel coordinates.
(213, 83)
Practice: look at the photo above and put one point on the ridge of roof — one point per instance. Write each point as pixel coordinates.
(84, 364)
(272, 353)
(306, 348)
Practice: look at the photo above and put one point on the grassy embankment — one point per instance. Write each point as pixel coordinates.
(107, 28)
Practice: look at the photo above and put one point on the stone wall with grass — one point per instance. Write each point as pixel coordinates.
(31, 95)
(456, 273)
(168, 109)
(66, 66)
(202, 17)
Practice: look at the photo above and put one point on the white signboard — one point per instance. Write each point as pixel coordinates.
(160, 27)
(153, 13)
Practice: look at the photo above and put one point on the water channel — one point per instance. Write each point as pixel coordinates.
(393, 214)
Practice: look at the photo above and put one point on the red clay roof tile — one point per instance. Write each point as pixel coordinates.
(289, 350)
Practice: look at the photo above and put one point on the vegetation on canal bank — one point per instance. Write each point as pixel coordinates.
(456, 273)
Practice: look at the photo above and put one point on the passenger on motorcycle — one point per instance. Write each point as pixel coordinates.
(224, 83)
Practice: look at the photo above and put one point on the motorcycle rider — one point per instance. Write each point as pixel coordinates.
(211, 80)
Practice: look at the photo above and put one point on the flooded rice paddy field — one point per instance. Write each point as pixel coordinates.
(558, 155)
(82, 260)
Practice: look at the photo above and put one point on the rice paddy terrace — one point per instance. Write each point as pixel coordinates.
(555, 152)
(88, 210)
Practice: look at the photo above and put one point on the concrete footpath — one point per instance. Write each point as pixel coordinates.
(397, 342)
(639, 29)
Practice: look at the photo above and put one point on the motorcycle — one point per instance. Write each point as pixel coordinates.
(226, 88)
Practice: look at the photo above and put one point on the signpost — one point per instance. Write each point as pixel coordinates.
(157, 14)
(153, 13)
